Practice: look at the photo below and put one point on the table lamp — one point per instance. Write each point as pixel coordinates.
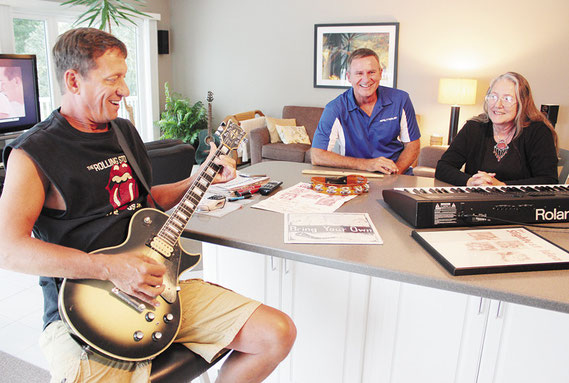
(456, 92)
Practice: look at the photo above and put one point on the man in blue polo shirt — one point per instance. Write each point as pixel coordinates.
(368, 127)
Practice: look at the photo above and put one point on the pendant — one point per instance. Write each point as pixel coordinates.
(500, 149)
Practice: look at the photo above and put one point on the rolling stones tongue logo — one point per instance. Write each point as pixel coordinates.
(122, 187)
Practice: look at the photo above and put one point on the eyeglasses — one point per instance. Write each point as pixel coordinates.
(507, 100)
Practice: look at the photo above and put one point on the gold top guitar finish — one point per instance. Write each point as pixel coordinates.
(121, 326)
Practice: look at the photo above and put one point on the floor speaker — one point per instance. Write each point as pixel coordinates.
(163, 43)
(550, 112)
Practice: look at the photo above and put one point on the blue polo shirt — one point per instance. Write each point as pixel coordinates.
(347, 130)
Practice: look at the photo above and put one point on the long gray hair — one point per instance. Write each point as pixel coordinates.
(527, 111)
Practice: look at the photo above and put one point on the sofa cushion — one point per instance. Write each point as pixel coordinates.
(307, 116)
(307, 157)
(430, 155)
(285, 152)
(272, 126)
(293, 134)
(171, 161)
(162, 143)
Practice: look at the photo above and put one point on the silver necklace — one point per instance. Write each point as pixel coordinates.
(501, 147)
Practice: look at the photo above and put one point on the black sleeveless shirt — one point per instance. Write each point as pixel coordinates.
(99, 187)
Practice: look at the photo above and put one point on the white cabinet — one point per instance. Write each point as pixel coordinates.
(421, 334)
(525, 344)
(355, 328)
(415, 334)
(326, 305)
(329, 309)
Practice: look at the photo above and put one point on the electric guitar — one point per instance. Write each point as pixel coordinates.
(119, 325)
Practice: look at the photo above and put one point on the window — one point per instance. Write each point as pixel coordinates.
(30, 38)
(35, 31)
(128, 35)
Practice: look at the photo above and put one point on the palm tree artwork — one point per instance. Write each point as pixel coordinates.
(336, 48)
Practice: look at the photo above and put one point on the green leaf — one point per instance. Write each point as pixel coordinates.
(181, 119)
(107, 11)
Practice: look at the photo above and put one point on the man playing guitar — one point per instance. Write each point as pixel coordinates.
(69, 182)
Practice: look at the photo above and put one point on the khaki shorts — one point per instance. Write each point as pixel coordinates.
(211, 318)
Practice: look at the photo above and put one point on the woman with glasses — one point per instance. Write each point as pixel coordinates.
(511, 143)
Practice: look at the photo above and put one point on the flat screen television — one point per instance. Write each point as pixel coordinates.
(19, 94)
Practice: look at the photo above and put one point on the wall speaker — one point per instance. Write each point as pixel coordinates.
(550, 111)
(163, 43)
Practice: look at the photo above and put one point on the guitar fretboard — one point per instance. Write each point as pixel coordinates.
(176, 223)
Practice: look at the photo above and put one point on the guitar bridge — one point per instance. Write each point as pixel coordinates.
(140, 307)
(160, 246)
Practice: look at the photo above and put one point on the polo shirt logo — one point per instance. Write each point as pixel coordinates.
(388, 119)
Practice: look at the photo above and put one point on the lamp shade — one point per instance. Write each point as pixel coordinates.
(457, 91)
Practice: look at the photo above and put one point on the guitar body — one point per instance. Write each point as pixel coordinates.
(203, 148)
(122, 329)
(119, 325)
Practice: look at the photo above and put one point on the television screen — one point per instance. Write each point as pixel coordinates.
(19, 95)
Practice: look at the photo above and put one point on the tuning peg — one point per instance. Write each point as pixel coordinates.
(245, 140)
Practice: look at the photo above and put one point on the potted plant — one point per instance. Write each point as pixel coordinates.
(107, 11)
(181, 119)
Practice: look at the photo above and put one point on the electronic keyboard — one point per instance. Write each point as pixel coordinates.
(484, 205)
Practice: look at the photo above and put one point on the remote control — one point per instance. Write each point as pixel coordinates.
(269, 187)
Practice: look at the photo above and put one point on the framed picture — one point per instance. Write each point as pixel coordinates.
(333, 44)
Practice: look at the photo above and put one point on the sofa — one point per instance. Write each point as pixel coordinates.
(171, 160)
(261, 148)
(427, 161)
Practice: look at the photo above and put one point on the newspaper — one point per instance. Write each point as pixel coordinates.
(331, 228)
(300, 198)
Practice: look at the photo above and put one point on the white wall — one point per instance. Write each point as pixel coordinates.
(161, 7)
(259, 54)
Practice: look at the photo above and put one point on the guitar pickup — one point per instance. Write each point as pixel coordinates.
(160, 246)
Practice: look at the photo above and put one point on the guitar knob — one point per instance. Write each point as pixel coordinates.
(156, 336)
(150, 316)
(138, 335)
(168, 317)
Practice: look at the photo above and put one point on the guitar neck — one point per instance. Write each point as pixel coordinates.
(209, 131)
(175, 225)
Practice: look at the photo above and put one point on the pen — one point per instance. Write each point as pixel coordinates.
(247, 191)
(251, 175)
(231, 199)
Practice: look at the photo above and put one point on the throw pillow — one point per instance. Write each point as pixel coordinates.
(247, 126)
(293, 134)
(272, 126)
(253, 123)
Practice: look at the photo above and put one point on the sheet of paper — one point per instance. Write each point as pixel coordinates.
(331, 228)
(300, 198)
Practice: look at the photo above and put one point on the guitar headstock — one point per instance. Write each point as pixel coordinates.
(231, 135)
(209, 96)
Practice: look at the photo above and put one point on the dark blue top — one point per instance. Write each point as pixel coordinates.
(347, 130)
